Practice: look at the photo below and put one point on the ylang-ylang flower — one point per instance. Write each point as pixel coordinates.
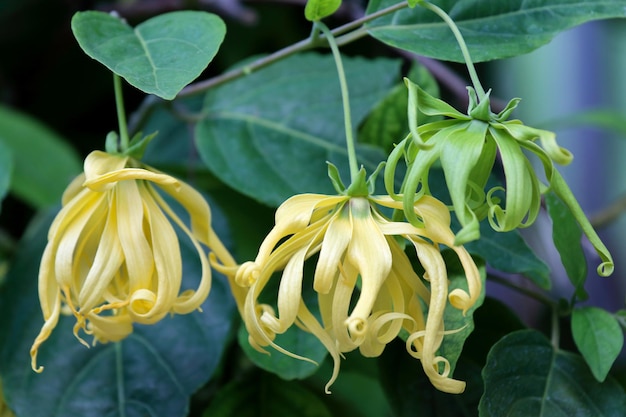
(113, 257)
(367, 289)
(466, 146)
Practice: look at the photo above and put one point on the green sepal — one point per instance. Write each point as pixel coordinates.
(138, 145)
(479, 110)
(360, 185)
(508, 109)
(371, 181)
(335, 178)
(412, 111)
(413, 3)
(318, 9)
(111, 143)
(432, 106)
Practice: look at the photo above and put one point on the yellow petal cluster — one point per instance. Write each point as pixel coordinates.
(113, 256)
(368, 291)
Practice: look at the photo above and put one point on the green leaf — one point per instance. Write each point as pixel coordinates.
(152, 372)
(567, 236)
(508, 252)
(269, 135)
(294, 340)
(160, 56)
(264, 395)
(6, 169)
(318, 9)
(43, 162)
(526, 377)
(491, 29)
(599, 338)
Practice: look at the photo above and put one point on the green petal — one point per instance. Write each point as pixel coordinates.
(522, 187)
(460, 154)
(560, 187)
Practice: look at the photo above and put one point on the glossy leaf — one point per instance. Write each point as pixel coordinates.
(294, 340)
(285, 119)
(43, 162)
(492, 29)
(266, 396)
(526, 377)
(152, 372)
(508, 252)
(567, 236)
(599, 338)
(160, 56)
(318, 9)
(6, 168)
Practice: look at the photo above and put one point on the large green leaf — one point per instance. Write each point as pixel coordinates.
(525, 376)
(6, 168)
(493, 29)
(160, 56)
(269, 135)
(508, 252)
(567, 238)
(152, 372)
(599, 338)
(43, 163)
(264, 395)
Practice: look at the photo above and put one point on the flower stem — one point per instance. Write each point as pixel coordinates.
(459, 38)
(354, 167)
(121, 114)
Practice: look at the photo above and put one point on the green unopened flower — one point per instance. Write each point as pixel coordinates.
(113, 256)
(466, 146)
(360, 261)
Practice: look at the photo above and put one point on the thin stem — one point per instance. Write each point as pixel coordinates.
(121, 114)
(459, 38)
(354, 167)
(555, 334)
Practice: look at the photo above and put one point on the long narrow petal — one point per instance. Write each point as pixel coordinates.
(334, 245)
(370, 253)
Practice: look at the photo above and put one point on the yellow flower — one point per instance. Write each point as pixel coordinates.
(359, 253)
(113, 256)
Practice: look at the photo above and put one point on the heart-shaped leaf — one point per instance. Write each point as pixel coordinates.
(160, 56)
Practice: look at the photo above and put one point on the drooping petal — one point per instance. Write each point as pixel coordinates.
(369, 252)
(334, 245)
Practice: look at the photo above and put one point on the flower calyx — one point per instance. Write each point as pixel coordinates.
(361, 186)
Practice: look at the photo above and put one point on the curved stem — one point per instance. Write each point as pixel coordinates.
(459, 38)
(121, 114)
(354, 167)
